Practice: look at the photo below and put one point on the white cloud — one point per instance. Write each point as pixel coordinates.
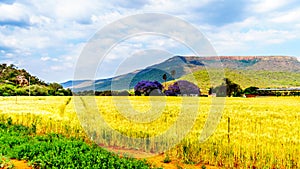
(179, 7)
(9, 41)
(57, 68)
(45, 58)
(230, 41)
(13, 13)
(40, 20)
(9, 55)
(268, 5)
(290, 17)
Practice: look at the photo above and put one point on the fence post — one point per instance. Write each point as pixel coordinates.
(228, 136)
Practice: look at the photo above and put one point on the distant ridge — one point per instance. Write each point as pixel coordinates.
(243, 58)
(184, 65)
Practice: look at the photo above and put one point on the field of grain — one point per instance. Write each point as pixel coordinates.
(252, 132)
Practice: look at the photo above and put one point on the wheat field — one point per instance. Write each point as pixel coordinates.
(252, 132)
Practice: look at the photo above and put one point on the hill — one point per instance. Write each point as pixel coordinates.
(10, 74)
(14, 81)
(247, 78)
(259, 67)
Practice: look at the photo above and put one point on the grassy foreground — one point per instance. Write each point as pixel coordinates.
(56, 151)
(252, 133)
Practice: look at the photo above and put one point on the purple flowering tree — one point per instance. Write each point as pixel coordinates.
(147, 88)
(182, 87)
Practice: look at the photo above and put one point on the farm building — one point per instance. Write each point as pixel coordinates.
(292, 91)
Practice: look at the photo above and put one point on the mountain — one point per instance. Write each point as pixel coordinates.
(248, 66)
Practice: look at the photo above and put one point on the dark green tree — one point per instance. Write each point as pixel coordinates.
(251, 90)
(233, 89)
(165, 79)
(228, 88)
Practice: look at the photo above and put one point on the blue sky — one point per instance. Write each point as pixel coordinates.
(47, 37)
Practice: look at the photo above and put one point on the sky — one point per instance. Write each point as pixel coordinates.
(48, 37)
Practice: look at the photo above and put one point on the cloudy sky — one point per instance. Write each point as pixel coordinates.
(47, 37)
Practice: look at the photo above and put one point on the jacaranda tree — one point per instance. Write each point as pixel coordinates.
(147, 88)
(182, 87)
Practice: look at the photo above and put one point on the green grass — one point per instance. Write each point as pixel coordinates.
(57, 151)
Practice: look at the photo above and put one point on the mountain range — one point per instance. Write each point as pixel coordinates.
(261, 71)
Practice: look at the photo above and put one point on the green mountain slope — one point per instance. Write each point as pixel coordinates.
(247, 78)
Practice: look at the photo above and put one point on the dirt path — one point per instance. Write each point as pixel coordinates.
(19, 164)
(157, 159)
(175, 163)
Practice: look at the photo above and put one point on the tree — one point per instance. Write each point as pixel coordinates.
(221, 91)
(147, 88)
(37, 90)
(56, 89)
(55, 86)
(228, 88)
(182, 87)
(173, 73)
(251, 90)
(123, 93)
(210, 91)
(67, 92)
(165, 79)
(7, 90)
(233, 89)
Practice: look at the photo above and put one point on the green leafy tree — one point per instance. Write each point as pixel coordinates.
(36, 90)
(54, 89)
(251, 90)
(21, 91)
(7, 90)
(55, 86)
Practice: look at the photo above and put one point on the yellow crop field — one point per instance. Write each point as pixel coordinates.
(259, 132)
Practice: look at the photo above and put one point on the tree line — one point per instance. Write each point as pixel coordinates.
(185, 88)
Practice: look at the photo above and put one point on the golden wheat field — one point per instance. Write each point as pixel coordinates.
(259, 132)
